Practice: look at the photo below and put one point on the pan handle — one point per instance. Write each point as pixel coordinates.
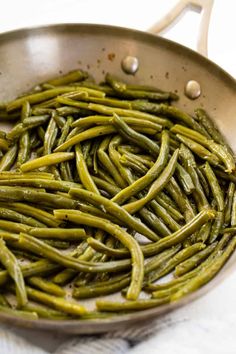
(204, 7)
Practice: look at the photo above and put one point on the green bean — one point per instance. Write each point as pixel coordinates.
(8, 159)
(181, 199)
(45, 95)
(134, 165)
(10, 262)
(57, 303)
(4, 144)
(112, 252)
(190, 165)
(108, 164)
(204, 182)
(192, 262)
(39, 247)
(169, 265)
(216, 226)
(47, 160)
(180, 235)
(44, 312)
(184, 179)
(165, 216)
(113, 209)
(37, 111)
(19, 194)
(204, 232)
(114, 155)
(154, 223)
(65, 130)
(103, 289)
(17, 175)
(121, 235)
(117, 85)
(72, 76)
(214, 185)
(205, 275)
(46, 286)
(17, 313)
(156, 186)
(137, 138)
(35, 121)
(88, 134)
(176, 215)
(14, 227)
(159, 294)
(205, 120)
(150, 176)
(24, 149)
(11, 215)
(220, 151)
(29, 210)
(233, 212)
(58, 233)
(110, 111)
(50, 136)
(199, 150)
(228, 203)
(138, 305)
(83, 172)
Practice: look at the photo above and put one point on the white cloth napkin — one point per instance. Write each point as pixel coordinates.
(208, 325)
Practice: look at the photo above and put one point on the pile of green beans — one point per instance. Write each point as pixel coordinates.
(107, 189)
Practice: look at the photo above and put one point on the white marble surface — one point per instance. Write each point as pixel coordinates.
(207, 325)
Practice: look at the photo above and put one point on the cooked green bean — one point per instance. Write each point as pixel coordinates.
(189, 163)
(47, 160)
(29, 210)
(215, 187)
(137, 138)
(138, 305)
(199, 150)
(87, 134)
(32, 175)
(219, 150)
(113, 209)
(19, 313)
(72, 76)
(12, 215)
(156, 186)
(150, 176)
(205, 275)
(108, 164)
(83, 172)
(123, 237)
(72, 308)
(10, 262)
(169, 265)
(48, 94)
(209, 126)
(57, 233)
(50, 136)
(47, 286)
(8, 159)
(181, 199)
(194, 261)
(20, 194)
(233, 211)
(39, 247)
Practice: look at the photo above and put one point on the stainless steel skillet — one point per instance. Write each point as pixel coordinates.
(29, 56)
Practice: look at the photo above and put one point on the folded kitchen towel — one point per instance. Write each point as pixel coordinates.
(205, 326)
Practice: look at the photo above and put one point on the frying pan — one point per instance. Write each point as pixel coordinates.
(30, 56)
